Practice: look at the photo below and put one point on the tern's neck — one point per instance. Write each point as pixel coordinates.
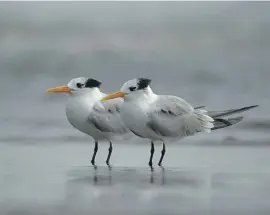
(93, 93)
(145, 94)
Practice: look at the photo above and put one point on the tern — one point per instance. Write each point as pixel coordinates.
(88, 114)
(166, 118)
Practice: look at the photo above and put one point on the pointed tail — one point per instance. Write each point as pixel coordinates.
(199, 107)
(222, 123)
(217, 114)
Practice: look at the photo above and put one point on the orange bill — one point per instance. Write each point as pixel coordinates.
(59, 89)
(117, 94)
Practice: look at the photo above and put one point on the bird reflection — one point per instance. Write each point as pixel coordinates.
(111, 176)
(83, 178)
(95, 177)
(153, 178)
(105, 176)
(163, 179)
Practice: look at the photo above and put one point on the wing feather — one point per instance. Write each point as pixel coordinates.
(174, 117)
(106, 117)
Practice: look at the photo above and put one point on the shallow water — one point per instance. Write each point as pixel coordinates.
(212, 54)
(58, 179)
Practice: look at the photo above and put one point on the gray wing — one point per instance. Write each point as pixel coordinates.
(106, 117)
(174, 117)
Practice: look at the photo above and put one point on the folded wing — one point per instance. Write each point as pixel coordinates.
(173, 117)
(106, 117)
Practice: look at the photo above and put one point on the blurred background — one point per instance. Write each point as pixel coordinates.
(209, 53)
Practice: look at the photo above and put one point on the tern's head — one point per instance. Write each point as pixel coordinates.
(134, 87)
(76, 85)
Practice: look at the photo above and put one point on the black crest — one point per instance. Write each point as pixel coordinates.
(90, 83)
(143, 83)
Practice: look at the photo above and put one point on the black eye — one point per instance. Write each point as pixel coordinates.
(79, 85)
(132, 88)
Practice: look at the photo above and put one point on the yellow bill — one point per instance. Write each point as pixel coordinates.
(59, 89)
(117, 94)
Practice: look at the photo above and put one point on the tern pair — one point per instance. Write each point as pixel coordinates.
(136, 110)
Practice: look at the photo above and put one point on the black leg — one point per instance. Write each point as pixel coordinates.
(109, 155)
(151, 155)
(162, 155)
(95, 153)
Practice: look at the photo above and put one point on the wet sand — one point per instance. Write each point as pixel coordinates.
(58, 179)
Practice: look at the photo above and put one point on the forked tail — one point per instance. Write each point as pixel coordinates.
(217, 114)
(220, 122)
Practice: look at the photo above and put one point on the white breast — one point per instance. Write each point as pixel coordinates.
(135, 117)
(78, 109)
